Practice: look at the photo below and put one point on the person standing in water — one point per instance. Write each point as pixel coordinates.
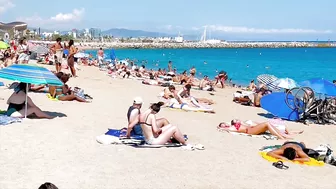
(170, 66)
(71, 58)
(57, 50)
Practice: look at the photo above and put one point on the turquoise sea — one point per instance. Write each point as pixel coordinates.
(243, 64)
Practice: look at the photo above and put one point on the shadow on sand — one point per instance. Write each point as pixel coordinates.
(268, 115)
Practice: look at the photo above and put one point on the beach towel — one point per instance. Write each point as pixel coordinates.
(115, 136)
(51, 98)
(5, 120)
(312, 161)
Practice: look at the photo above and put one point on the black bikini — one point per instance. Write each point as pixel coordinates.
(146, 121)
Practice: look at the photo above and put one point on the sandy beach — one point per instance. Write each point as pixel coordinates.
(64, 150)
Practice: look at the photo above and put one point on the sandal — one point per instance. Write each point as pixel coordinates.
(280, 165)
(199, 147)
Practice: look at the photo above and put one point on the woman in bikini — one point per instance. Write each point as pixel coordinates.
(17, 102)
(154, 132)
(64, 93)
(290, 151)
(71, 58)
(238, 126)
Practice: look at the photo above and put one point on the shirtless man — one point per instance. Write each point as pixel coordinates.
(205, 84)
(57, 50)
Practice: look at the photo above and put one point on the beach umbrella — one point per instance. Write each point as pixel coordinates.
(30, 74)
(275, 103)
(3, 45)
(112, 54)
(285, 83)
(267, 80)
(81, 55)
(39, 49)
(320, 86)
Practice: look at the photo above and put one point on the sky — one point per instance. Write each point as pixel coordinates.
(240, 19)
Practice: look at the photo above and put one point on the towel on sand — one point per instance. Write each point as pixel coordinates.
(114, 136)
(5, 120)
(264, 150)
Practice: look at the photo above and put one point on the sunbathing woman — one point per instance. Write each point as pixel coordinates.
(155, 135)
(17, 102)
(64, 93)
(260, 128)
(290, 151)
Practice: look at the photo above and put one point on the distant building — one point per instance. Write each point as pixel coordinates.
(95, 32)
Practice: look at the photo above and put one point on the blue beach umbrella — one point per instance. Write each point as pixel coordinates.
(30, 74)
(112, 55)
(275, 103)
(320, 86)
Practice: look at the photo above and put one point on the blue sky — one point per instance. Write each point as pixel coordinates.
(294, 19)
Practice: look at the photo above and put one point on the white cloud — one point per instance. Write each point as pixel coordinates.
(75, 15)
(61, 18)
(233, 29)
(5, 5)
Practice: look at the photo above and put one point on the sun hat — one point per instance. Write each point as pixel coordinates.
(137, 100)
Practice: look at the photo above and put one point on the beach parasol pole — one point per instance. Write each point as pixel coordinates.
(26, 103)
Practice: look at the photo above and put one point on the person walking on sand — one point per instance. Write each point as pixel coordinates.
(57, 50)
(170, 66)
(100, 57)
(71, 58)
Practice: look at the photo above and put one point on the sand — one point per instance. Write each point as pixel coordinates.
(64, 150)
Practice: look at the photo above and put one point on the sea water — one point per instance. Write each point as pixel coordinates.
(242, 64)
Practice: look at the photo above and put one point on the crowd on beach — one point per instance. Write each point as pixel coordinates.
(176, 93)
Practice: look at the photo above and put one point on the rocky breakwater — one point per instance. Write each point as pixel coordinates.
(205, 45)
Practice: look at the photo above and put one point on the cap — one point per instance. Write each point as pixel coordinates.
(137, 100)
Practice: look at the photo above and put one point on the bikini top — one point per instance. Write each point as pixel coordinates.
(145, 122)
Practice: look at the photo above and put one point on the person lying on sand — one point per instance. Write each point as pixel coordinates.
(260, 128)
(17, 103)
(154, 133)
(64, 93)
(290, 151)
(184, 93)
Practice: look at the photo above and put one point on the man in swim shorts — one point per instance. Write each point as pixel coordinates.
(132, 115)
(57, 50)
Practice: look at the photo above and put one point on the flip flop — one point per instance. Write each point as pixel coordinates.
(280, 165)
(199, 147)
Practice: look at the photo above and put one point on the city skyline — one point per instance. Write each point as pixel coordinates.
(241, 19)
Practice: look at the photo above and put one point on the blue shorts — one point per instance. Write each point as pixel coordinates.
(137, 130)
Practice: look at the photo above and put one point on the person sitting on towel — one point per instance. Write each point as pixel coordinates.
(290, 151)
(169, 92)
(17, 104)
(154, 131)
(133, 115)
(134, 127)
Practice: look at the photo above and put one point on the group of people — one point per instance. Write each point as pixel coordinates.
(17, 52)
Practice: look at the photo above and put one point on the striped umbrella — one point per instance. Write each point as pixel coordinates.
(30, 74)
(267, 80)
(39, 49)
